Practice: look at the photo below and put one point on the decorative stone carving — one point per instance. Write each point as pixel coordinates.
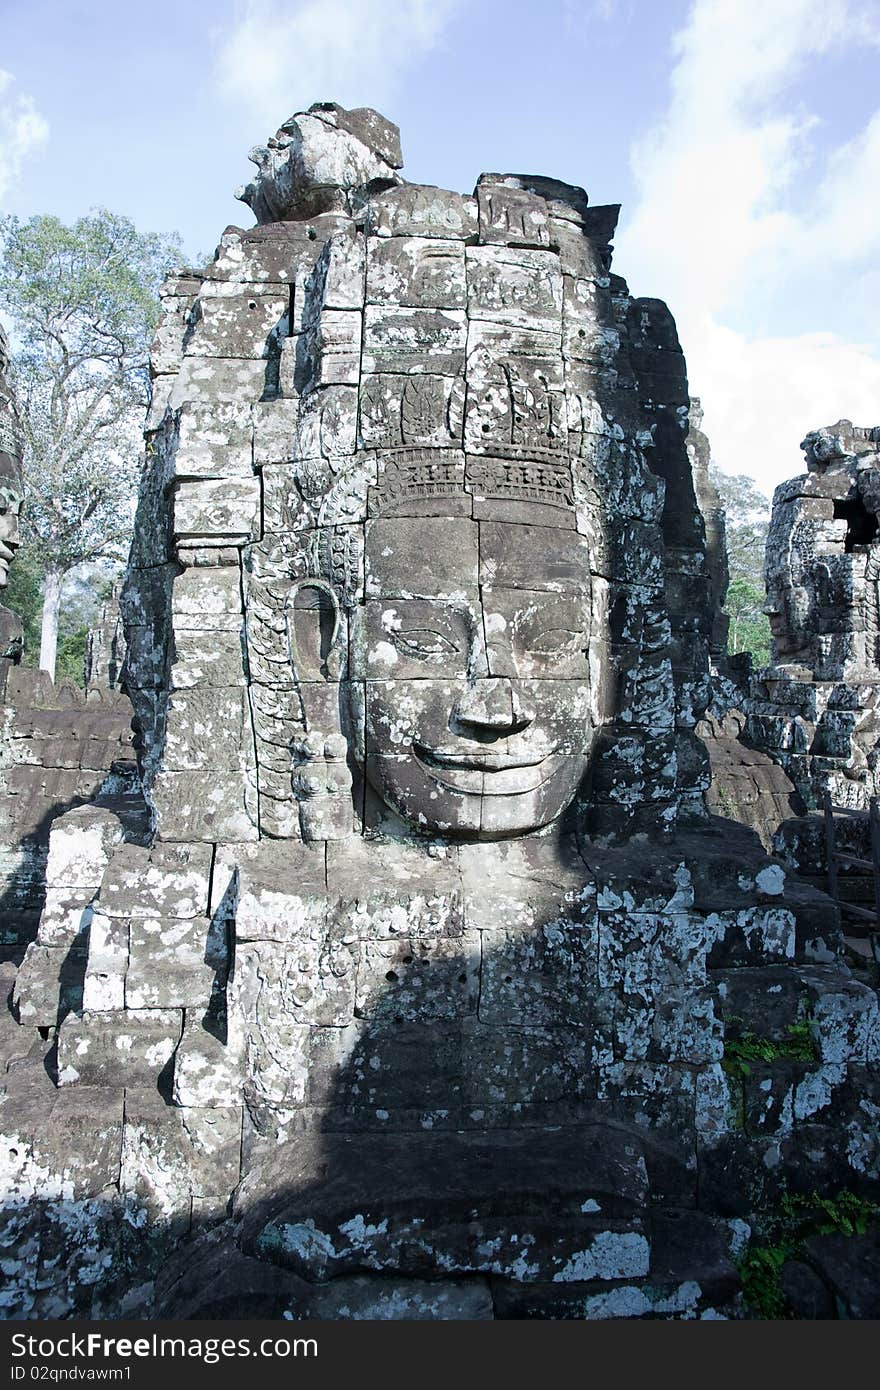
(105, 646)
(815, 708)
(431, 912)
(319, 160)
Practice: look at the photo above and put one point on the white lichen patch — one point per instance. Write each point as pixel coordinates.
(771, 880)
(610, 1255)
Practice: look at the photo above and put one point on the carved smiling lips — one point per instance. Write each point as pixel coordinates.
(488, 774)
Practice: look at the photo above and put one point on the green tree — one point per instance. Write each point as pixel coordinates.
(83, 300)
(71, 655)
(747, 510)
(24, 595)
(84, 592)
(749, 630)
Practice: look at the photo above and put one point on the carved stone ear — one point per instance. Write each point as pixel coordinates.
(312, 618)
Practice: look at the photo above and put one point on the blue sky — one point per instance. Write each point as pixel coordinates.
(743, 141)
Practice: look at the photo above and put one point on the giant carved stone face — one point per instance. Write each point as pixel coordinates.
(470, 687)
(10, 509)
(787, 607)
(809, 576)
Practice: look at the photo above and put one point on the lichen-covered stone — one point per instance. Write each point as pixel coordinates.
(433, 988)
(814, 709)
(130, 1047)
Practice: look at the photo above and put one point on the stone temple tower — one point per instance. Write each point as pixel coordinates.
(370, 349)
(816, 707)
(415, 999)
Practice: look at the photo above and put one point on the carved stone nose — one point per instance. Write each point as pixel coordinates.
(493, 703)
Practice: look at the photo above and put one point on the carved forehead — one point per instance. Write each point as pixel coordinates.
(519, 556)
(448, 556)
(433, 556)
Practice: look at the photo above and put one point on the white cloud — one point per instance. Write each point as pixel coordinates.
(847, 219)
(718, 225)
(22, 130)
(762, 394)
(283, 56)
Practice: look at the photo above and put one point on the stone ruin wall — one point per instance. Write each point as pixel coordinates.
(780, 738)
(58, 750)
(747, 784)
(58, 747)
(253, 1028)
(815, 708)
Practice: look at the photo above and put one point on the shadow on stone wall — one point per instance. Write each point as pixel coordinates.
(459, 1151)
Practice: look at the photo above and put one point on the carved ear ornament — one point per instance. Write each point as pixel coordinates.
(321, 783)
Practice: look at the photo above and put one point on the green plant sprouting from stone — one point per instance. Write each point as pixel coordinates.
(797, 1046)
(783, 1231)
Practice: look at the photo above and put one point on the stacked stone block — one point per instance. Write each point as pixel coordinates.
(815, 708)
(430, 963)
(59, 748)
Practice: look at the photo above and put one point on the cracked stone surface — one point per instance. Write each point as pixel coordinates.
(416, 997)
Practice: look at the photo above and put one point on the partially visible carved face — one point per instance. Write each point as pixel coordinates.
(307, 168)
(786, 604)
(10, 509)
(788, 609)
(822, 446)
(470, 680)
(809, 578)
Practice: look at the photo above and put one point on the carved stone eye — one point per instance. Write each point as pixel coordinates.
(423, 642)
(552, 642)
